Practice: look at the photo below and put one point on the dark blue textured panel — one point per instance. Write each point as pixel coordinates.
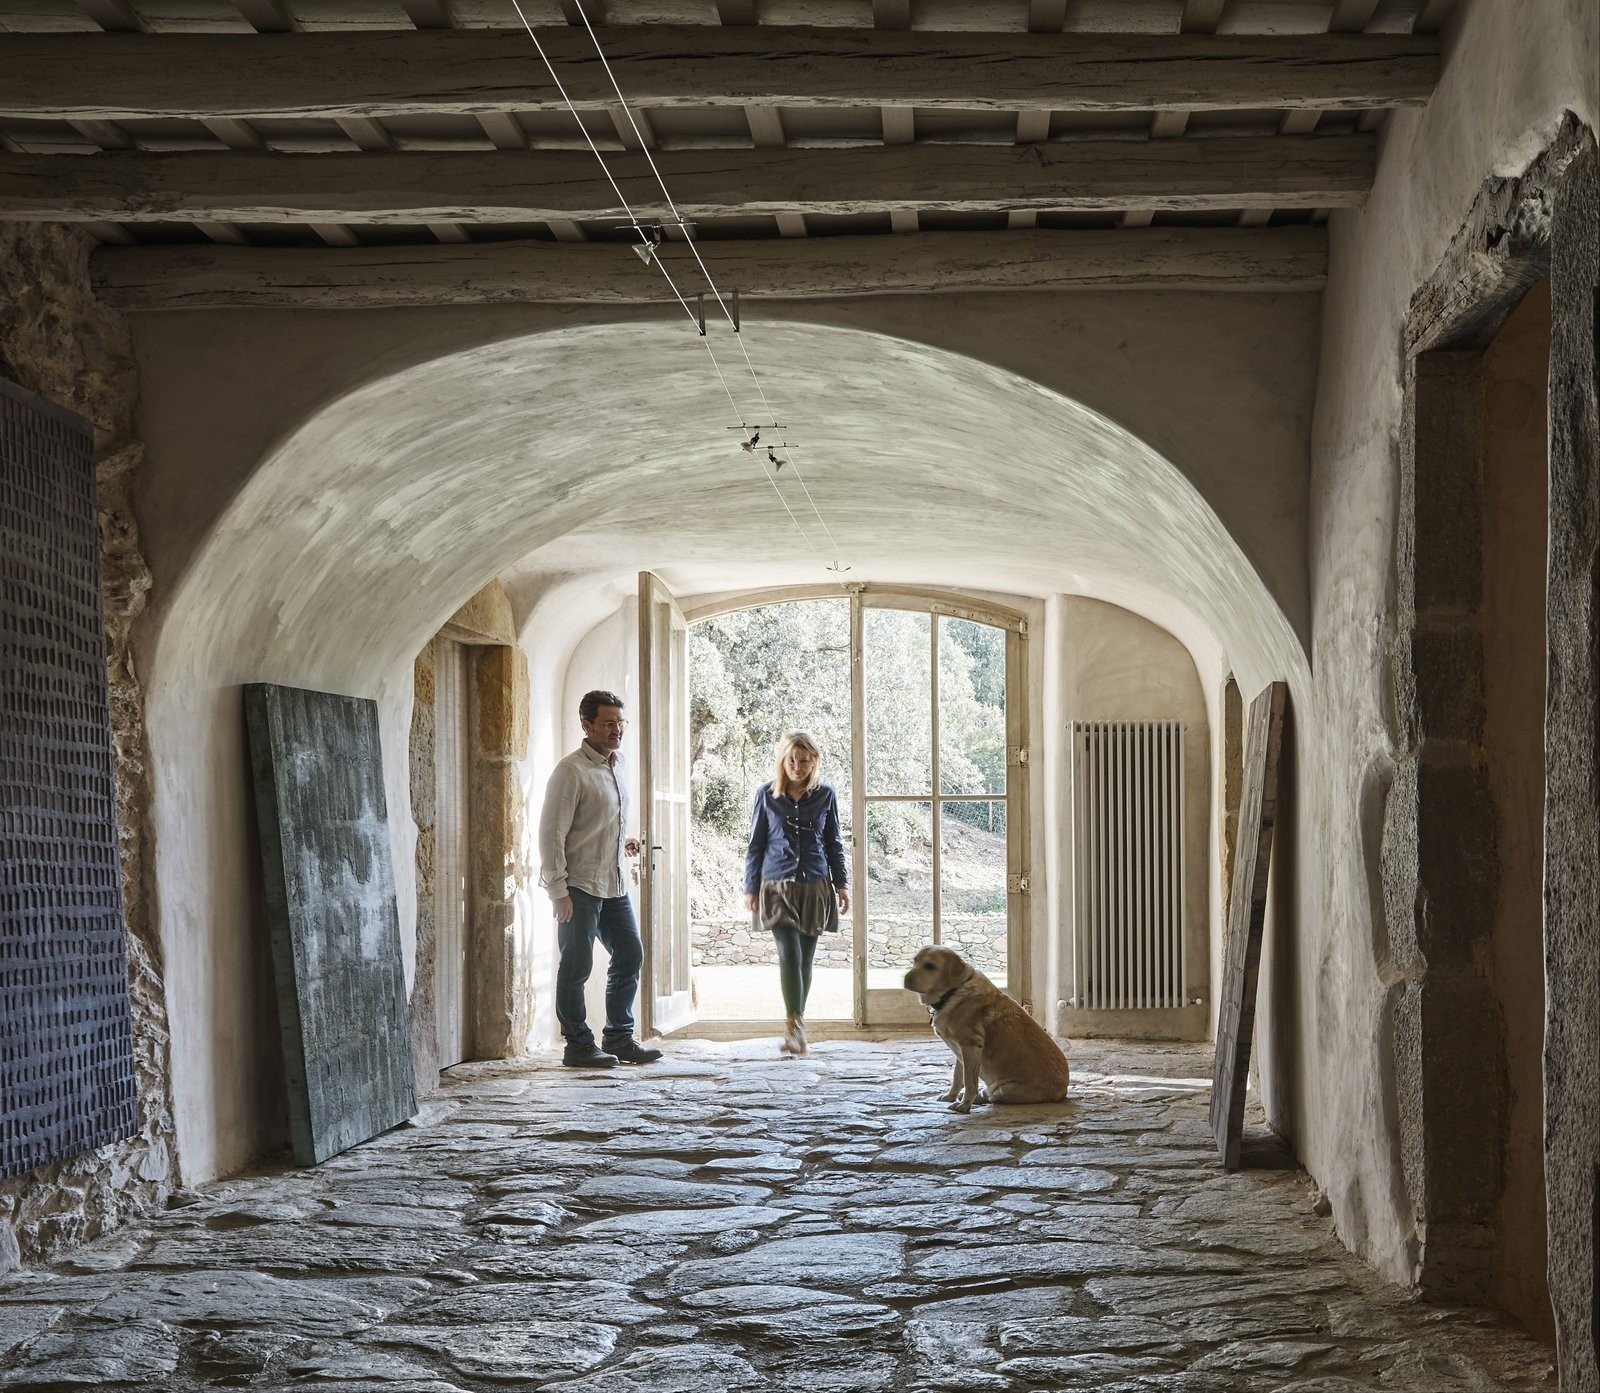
(331, 911)
(66, 1038)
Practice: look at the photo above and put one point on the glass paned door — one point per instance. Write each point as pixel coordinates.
(916, 702)
(756, 674)
(667, 1001)
(939, 860)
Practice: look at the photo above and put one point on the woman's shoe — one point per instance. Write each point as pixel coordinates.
(794, 1040)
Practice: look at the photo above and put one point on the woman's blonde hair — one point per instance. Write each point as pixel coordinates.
(796, 740)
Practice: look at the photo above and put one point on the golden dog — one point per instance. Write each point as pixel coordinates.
(991, 1036)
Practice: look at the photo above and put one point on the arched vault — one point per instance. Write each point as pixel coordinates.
(569, 459)
(610, 447)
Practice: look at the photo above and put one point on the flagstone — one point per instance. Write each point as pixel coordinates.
(745, 1223)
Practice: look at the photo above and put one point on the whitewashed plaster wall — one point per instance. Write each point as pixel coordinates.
(1512, 69)
(346, 480)
(1117, 666)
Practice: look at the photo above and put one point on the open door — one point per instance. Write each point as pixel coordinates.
(667, 1002)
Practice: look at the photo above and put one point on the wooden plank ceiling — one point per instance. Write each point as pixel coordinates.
(387, 127)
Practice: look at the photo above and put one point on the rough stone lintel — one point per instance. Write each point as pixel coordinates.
(1501, 250)
(485, 618)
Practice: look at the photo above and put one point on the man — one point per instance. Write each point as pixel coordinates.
(582, 841)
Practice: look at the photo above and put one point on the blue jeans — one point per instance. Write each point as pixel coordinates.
(612, 922)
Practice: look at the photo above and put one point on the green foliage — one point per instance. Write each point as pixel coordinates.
(755, 675)
(758, 673)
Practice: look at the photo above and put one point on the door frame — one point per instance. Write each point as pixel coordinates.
(1018, 797)
(667, 947)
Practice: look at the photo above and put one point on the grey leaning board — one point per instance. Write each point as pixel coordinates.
(331, 913)
(1247, 917)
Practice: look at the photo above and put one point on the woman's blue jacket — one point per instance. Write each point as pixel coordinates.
(792, 840)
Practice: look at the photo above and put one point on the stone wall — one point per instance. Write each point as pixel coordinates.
(500, 977)
(981, 939)
(57, 340)
(1511, 74)
(424, 791)
(502, 1000)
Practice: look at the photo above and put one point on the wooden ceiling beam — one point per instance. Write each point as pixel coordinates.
(429, 14)
(114, 16)
(267, 16)
(1201, 16)
(1352, 16)
(1198, 17)
(766, 127)
(418, 186)
(1046, 16)
(574, 11)
(196, 277)
(421, 71)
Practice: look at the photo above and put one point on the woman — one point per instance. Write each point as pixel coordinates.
(794, 876)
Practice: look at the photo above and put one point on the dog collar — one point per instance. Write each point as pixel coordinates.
(939, 1004)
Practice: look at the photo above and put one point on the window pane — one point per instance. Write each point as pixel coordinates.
(754, 675)
(899, 888)
(899, 695)
(972, 707)
(972, 891)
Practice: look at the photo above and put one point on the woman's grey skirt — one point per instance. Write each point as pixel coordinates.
(812, 906)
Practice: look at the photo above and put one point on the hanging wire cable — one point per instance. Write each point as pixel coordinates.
(688, 237)
(654, 259)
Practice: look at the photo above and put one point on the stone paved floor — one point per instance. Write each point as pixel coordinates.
(732, 1220)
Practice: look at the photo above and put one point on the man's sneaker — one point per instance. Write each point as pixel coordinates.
(587, 1057)
(632, 1052)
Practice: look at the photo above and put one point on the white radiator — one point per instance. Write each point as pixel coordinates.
(1128, 865)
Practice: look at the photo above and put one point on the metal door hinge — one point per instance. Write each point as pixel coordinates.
(1017, 754)
(1016, 885)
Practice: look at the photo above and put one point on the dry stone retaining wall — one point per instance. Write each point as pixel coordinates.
(981, 939)
(58, 341)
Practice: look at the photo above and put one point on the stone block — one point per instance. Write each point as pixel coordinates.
(1448, 665)
(1446, 496)
(1458, 867)
(500, 674)
(1572, 761)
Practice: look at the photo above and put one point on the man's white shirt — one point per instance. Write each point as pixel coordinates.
(584, 825)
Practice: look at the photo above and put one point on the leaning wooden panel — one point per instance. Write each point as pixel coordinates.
(1246, 919)
(331, 913)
